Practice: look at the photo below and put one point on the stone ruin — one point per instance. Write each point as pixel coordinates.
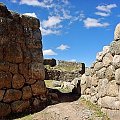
(21, 62)
(22, 70)
(101, 83)
(64, 71)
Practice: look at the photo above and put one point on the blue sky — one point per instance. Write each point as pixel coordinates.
(73, 30)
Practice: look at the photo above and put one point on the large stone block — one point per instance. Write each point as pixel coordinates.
(36, 55)
(94, 80)
(98, 66)
(117, 76)
(110, 73)
(24, 70)
(18, 81)
(116, 61)
(36, 71)
(5, 79)
(38, 88)
(107, 59)
(12, 95)
(113, 114)
(115, 47)
(27, 93)
(19, 106)
(101, 73)
(102, 87)
(4, 66)
(13, 53)
(112, 89)
(109, 103)
(4, 109)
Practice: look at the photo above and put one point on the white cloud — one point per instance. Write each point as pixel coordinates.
(51, 26)
(63, 47)
(106, 8)
(31, 14)
(91, 22)
(49, 31)
(103, 14)
(44, 3)
(78, 17)
(49, 52)
(51, 22)
(66, 14)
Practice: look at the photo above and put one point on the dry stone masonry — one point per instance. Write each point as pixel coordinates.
(21, 62)
(64, 71)
(101, 83)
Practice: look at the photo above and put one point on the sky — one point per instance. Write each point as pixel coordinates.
(72, 30)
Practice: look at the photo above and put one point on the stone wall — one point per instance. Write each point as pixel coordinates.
(64, 71)
(101, 83)
(21, 62)
(51, 62)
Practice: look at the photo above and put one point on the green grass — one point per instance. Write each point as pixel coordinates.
(48, 83)
(95, 108)
(63, 68)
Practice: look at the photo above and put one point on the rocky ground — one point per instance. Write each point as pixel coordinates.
(76, 110)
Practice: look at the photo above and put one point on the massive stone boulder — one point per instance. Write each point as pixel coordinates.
(21, 62)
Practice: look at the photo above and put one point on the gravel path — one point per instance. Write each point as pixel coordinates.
(76, 110)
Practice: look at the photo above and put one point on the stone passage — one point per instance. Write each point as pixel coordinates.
(101, 83)
(21, 62)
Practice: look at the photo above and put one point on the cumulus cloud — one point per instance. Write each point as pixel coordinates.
(49, 31)
(91, 22)
(51, 26)
(31, 14)
(106, 8)
(51, 22)
(49, 52)
(43, 3)
(102, 14)
(63, 47)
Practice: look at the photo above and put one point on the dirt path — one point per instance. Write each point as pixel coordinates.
(77, 110)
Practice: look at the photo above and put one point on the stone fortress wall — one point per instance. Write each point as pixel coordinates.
(64, 71)
(21, 62)
(101, 83)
